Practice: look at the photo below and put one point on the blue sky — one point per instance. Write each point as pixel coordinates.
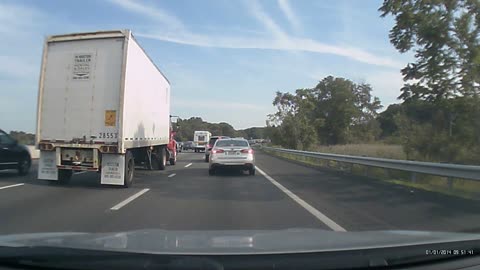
(224, 58)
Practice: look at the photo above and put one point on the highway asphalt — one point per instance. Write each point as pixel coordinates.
(184, 197)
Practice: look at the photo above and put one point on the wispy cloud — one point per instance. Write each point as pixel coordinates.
(258, 13)
(292, 44)
(280, 40)
(159, 15)
(289, 14)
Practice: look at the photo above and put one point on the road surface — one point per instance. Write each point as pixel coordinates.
(185, 197)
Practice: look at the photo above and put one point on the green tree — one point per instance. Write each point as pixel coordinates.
(335, 111)
(346, 110)
(438, 119)
(445, 36)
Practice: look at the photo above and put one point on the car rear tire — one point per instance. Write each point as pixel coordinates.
(129, 169)
(206, 158)
(211, 171)
(251, 171)
(64, 176)
(24, 166)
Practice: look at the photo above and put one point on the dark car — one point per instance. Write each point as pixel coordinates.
(13, 155)
(188, 145)
(211, 143)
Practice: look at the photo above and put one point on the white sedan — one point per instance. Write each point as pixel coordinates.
(232, 153)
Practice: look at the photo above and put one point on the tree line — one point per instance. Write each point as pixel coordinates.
(185, 128)
(438, 118)
(23, 137)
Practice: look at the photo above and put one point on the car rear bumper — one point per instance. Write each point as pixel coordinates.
(226, 162)
(245, 166)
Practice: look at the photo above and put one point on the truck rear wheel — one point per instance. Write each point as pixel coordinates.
(173, 160)
(129, 169)
(64, 176)
(162, 162)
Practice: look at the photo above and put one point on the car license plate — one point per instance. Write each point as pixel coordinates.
(231, 153)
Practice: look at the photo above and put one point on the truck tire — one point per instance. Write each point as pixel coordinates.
(162, 159)
(64, 176)
(129, 169)
(206, 158)
(149, 162)
(173, 160)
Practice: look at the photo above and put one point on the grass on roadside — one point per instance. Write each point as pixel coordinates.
(391, 151)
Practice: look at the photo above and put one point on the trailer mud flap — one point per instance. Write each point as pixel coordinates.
(47, 166)
(113, 169)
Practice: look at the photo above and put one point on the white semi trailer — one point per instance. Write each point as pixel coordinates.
(103, 105)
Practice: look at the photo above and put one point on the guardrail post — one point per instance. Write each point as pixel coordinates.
(450, 182)
(387, 173)
(413, 177)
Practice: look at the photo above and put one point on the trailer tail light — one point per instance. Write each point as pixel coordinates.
(247, 151)
(209, 146)
(108, 149)
(45, 146)
(217, 151)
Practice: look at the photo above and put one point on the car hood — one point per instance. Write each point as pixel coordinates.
(233, 242)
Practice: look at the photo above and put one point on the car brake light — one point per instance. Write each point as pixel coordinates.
(217, 151)
(247, 151)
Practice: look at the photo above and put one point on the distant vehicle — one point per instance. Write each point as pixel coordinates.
(13, 155)
(179, 146)
(188, 145)
(200, 140)
(91, 88)
(210, 144)
(232, 153)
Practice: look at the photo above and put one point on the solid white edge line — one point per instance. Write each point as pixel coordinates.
(130, 199)
(319, 215)
(188, 165)
(172, 175)
(10, 186)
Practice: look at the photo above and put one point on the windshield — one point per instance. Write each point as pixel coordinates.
(242, 122)
(224, 143)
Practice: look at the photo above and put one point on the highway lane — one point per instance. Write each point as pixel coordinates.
(191, 199)
(359, 203)
(185, 197)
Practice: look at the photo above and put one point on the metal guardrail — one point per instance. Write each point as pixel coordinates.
(440, 169)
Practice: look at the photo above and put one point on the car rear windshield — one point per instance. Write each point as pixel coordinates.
(224, 143)
(212, 141)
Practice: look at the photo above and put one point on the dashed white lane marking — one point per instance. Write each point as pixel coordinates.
(188, 165)
(172, 175)
(130, 199)
(10, 186)
(80, 172)
(319, 215)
